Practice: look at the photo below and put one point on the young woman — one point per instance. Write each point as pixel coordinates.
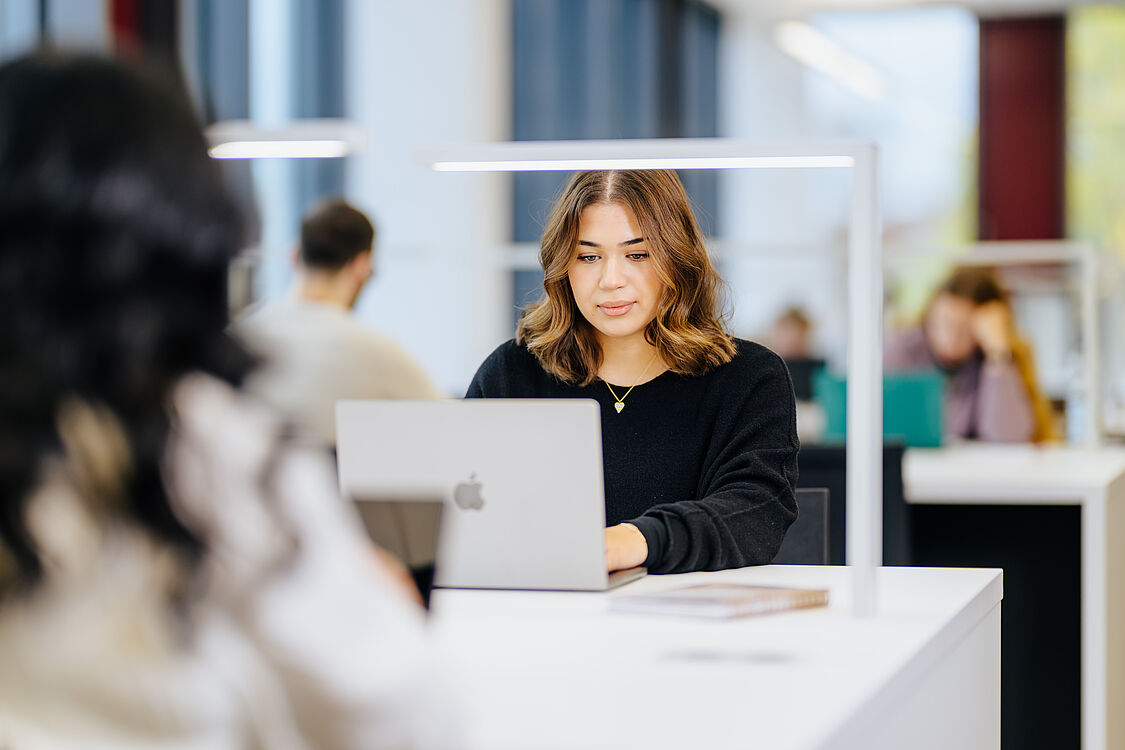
(992, 393)
(698, 428)
(174, 570)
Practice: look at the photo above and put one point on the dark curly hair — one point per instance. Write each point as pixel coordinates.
(115, 237)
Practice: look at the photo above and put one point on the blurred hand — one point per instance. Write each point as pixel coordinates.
(625, 547)
(992, 328)
(400, 577)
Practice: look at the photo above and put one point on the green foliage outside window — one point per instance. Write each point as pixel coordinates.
(1095, 53)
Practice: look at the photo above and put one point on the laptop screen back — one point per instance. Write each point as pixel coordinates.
(521, 481)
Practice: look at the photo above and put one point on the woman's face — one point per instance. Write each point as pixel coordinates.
(612, 277)
(949, 329)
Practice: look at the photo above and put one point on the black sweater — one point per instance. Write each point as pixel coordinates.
(703, 465)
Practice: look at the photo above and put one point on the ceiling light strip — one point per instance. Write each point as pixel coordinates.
(279, 149)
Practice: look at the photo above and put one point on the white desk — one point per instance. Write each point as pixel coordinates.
(556, 670)
(1027, 475)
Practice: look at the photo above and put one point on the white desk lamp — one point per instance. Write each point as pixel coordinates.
(864, 468)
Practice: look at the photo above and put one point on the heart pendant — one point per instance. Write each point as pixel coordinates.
(619, 405)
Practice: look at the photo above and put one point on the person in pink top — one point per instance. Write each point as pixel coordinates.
(967, 332)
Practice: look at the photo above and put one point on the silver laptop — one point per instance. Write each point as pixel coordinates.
(521, 480)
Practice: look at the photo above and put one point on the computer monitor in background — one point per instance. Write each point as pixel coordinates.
(913, 407)
(803, 371)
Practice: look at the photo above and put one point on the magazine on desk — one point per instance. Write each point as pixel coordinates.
(719, 600)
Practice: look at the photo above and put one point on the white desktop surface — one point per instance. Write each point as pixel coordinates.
(975, 473)
(557, 670)
(1093, 478)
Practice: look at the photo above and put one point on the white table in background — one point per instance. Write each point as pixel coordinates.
(557, 670)
(976, 474)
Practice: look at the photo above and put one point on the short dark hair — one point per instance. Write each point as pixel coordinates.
(334, 233)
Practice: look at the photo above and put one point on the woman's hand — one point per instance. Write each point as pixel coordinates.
(625, 547)
(993, 331)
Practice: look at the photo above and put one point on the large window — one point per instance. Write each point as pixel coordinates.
(1095, 187)
(219, 59)
(922, 115)
(904, 79)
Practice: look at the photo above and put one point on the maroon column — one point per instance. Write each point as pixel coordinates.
(146, 28)
(125, 20)
(1022, 130)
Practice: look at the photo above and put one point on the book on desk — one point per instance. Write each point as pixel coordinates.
(719, 600)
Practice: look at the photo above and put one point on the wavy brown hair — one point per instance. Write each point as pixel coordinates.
(689, 329)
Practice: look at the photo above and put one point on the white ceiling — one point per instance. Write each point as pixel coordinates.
(780, 9)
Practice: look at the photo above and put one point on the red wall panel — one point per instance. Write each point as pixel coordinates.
(1022, 128)
(125, 20)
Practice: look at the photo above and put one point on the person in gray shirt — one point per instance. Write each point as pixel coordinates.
(316, 353)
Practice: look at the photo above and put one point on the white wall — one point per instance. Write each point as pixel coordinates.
(784, 248)
(420, 75)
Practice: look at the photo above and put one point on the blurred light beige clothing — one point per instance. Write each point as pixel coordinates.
(295, 639)
(316, 354)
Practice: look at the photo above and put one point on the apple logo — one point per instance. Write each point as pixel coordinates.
(467, 494)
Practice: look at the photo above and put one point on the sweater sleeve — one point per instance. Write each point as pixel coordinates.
(1004, 410)
(746, 499)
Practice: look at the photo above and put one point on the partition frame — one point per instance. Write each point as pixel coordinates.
(865, 281)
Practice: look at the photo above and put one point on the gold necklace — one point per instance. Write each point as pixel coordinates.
(620, 402)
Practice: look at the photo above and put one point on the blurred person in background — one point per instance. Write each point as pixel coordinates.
(315, 352)
(698, 428)
(789, 336)
(174, 571)
(967, 332)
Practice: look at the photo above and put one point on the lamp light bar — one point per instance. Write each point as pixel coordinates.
(713, 162)
(294, 149)
(639, 153)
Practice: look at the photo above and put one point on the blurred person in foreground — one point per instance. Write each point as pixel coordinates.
(967, 332)
(315, 352)
(174, 571)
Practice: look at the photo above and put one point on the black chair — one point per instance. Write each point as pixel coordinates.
(824, 466)
(806, 541)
